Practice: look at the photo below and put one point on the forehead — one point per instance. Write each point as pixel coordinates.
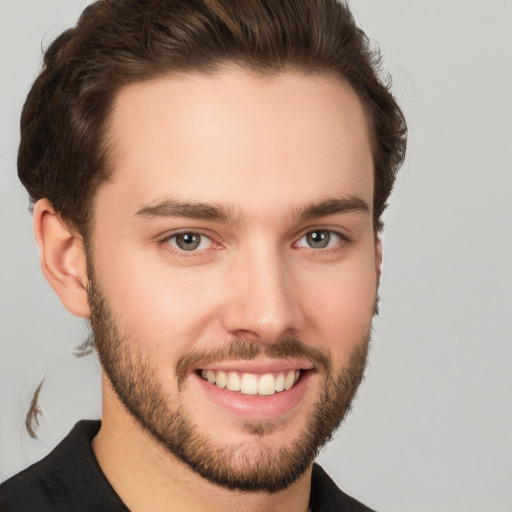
(241, 139)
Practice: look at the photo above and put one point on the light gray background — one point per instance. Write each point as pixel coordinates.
(431, 428)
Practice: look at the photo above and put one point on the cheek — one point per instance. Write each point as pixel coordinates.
(341, 304)
(162, 306)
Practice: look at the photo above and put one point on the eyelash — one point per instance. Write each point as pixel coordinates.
(342, 240)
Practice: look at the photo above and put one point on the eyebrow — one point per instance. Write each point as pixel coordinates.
(221, 213)
(192, 210)
(333, 207)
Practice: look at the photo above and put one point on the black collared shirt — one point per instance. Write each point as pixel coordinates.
(69, 479)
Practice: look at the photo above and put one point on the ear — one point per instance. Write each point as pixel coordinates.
(62, 258)
(378, 256)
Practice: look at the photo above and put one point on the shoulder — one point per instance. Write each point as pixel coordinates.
(69, 478)
(25, 491)
(326, 496)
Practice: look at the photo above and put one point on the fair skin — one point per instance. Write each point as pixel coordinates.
(263, 150)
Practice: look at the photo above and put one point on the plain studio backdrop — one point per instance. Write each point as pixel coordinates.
(431, 428)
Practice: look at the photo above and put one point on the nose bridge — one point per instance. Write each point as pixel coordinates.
(263, 303)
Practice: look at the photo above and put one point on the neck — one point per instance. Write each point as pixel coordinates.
(147, 477)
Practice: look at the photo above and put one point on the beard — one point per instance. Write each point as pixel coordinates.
(249, 466)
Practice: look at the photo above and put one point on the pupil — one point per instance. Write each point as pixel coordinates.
(188, 241)
(318, 239)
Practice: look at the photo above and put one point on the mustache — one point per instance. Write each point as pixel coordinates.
(240, 349)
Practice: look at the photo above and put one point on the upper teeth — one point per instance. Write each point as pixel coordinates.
(250, 383)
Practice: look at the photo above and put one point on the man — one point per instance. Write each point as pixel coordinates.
(208, 181)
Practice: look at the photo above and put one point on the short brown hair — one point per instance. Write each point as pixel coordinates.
(63, 155)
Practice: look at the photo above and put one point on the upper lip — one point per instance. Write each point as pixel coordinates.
(259, 366)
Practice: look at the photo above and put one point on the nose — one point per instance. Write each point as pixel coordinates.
(262, 302)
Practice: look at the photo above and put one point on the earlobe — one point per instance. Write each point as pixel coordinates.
(62, 258)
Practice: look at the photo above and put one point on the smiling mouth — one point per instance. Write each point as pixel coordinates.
(251, 383)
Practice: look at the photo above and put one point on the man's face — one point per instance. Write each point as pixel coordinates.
(233, 267)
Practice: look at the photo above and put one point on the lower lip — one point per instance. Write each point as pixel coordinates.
(257, 406)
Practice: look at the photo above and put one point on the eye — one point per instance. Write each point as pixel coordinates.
(189, 241)
(319, 239)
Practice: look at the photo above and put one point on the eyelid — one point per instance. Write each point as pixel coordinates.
(181, 231)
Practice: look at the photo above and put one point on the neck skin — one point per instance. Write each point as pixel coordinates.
(147, 477)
